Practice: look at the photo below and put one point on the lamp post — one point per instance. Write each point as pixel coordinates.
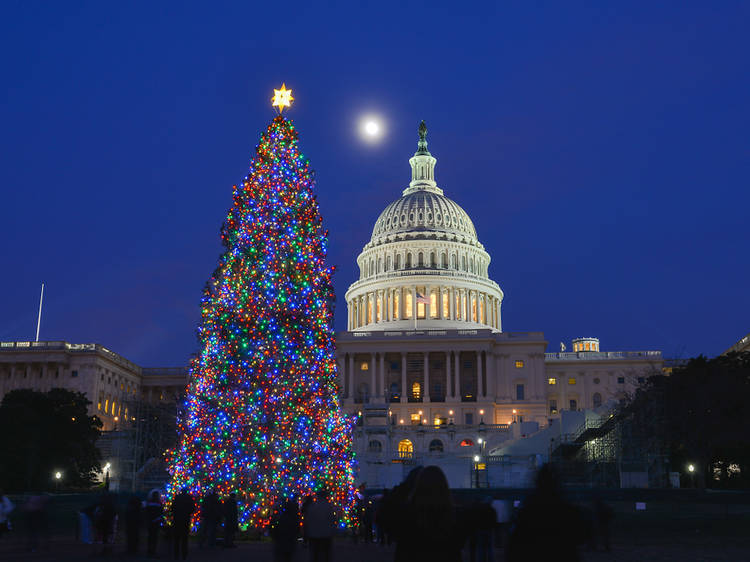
(58, 476)
(691, 470)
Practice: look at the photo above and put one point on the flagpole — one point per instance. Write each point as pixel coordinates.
(39, 318)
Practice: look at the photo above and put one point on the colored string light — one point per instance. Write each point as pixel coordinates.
(262, 416)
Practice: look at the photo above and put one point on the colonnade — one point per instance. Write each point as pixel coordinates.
(443, 303)
(378, 387)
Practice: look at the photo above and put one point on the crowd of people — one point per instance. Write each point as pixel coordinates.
(419, 517)
(98, 522)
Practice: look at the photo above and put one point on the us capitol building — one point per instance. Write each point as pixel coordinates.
(425, 363)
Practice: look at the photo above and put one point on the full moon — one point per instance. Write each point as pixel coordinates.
(371, 128)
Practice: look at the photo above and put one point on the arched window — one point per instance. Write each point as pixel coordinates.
(463, 263)
(597, 398)
(453, 261)
(380, 265)
(467, 443)
(405, 448)
(420, 259)
(436, 446)
(374, 446)
(372, 267)
(408, 260)
(433, 261)
(388, 263)
(444, 261)
(398, 261)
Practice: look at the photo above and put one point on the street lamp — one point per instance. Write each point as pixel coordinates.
(58, 477)
(691, 470)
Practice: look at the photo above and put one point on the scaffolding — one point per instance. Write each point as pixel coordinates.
(136, 452)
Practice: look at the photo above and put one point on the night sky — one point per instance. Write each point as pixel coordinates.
(602, 153)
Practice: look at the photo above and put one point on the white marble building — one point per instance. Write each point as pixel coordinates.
(425, 362)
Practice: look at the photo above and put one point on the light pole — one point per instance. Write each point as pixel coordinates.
(691, 470)
(58, 477)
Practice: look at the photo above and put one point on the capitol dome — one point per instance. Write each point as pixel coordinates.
(424, 213)
(424, 264)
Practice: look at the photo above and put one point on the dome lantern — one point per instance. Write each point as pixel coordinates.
(422, 166)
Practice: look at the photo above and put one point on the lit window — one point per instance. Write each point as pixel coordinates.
(553, 407)
(519, 364)
(571, 380)
(365, 366)
(445, 303)
(467, 443)
(405, 448)
(416, 390)
(552, 380)
(396, 301)
(408, 306)
(433, 304)
(588, 348)
(415, 419)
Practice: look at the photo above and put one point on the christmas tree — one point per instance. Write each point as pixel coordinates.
(262, 417)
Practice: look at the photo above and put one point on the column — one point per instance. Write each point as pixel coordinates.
(480, 384)
(428, 305)
(414, 301)
(448, 382)
(341, 368)
(452, 303)
(426, 393)
(403, 377)
(457, 376)
(387, 305)
(373, 377)
(351, 376)
(381, 390)
(490, 374)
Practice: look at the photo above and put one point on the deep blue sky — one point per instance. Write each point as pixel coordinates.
(602, 152)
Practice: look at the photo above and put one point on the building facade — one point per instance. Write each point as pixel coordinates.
(113, 384)
(425, 364)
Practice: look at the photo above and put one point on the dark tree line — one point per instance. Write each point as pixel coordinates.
(699, 415)
(45, 432)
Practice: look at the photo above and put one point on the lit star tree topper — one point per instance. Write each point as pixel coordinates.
(282, 98)
(262, 416)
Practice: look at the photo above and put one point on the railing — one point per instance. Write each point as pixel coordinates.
(426, 272)
(599, 355)
(450, 427)
(473, 332)
(72, 347)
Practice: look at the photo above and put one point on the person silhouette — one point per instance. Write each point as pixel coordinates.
(547, 526)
